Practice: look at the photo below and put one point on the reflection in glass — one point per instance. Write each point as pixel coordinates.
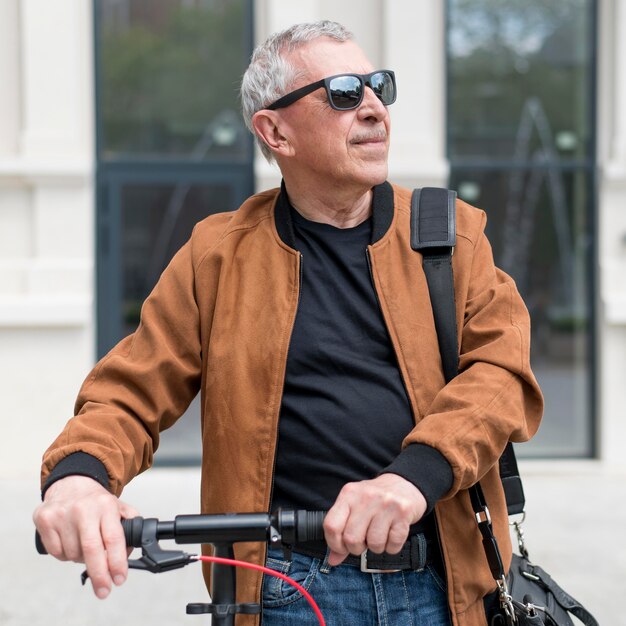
(520, 140)
(506, 54)
(156, 221)
(170, 72)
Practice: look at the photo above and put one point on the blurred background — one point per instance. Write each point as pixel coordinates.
(120, 128)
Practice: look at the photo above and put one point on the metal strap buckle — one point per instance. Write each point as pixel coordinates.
(520, 535)
(479, 518)
(368, 570)
(506, 601)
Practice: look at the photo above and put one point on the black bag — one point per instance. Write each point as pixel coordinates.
(527, 596)
(543, 601)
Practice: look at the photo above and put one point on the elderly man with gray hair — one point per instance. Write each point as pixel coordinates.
(304, 320)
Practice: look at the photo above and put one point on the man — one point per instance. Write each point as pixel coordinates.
(308, 304)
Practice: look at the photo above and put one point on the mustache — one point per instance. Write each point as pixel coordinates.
(371, 136)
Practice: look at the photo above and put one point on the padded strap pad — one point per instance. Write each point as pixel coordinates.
(430, 227)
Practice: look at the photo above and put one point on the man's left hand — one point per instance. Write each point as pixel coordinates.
(372, 514)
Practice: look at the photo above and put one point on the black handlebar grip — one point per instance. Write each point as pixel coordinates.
(310, 525)
(39, 544)
(132, 531)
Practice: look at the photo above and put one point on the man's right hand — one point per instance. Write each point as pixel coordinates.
(79, 520)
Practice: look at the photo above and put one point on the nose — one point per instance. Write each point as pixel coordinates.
(372, 107)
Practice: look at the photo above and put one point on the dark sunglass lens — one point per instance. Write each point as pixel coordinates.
(345, 92)
(383, 86)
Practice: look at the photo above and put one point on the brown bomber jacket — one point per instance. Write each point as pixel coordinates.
(219, 321)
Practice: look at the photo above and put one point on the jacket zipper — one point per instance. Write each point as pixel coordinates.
(278, 419)
(434, 512)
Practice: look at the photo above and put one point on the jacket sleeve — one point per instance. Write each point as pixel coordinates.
(142, 386)
(495, 397)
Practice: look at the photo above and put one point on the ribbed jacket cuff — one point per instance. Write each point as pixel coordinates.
(426, 468)
(78, 464)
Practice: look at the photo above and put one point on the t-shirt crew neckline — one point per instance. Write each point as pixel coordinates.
(330, 229)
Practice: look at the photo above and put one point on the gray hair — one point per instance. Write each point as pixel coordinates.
(269, 76)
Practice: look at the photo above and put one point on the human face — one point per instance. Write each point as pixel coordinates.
(330, 147)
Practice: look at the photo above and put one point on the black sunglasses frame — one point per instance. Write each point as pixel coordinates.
(365, 80)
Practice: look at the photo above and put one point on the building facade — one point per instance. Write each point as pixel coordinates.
(86, 165)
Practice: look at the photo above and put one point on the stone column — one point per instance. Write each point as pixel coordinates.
(9, 78)
(612, 233)
(46, 220)
(414, 48)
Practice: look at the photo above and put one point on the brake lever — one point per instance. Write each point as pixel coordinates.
(158, 561)
(153, 558)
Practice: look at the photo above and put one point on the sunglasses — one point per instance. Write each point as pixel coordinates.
(345, 91)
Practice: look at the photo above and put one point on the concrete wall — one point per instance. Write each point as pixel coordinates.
(46, 221)
(47, 208)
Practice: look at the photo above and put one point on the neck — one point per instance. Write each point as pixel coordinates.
(339, 208)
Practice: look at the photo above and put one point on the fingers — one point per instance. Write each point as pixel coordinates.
(48, 534)
(95, 558)
(387, 534)
(334, 524)
(80, 521)
(103, 546)
(115, 542)
(373, 514)
(57, 536)
(347, 522)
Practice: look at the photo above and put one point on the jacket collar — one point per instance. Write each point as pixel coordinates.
(382, 214)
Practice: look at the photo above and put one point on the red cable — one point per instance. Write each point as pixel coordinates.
(271, 572)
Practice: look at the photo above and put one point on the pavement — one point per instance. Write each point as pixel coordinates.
(576, 518)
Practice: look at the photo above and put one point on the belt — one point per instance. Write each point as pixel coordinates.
(416, 553)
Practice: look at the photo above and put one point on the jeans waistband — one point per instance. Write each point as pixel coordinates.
(417, 552)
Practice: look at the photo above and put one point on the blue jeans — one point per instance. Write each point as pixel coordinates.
(348, 597)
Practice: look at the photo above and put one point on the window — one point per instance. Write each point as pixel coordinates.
(172, 148)
(521, 144)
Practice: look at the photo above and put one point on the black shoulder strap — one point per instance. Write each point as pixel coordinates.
(433, 233)
(512, 481)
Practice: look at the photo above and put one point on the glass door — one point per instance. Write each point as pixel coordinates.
(521, 144)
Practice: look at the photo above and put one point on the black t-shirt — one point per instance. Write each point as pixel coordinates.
(345, 410)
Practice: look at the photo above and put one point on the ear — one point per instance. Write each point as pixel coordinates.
(268, 125)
